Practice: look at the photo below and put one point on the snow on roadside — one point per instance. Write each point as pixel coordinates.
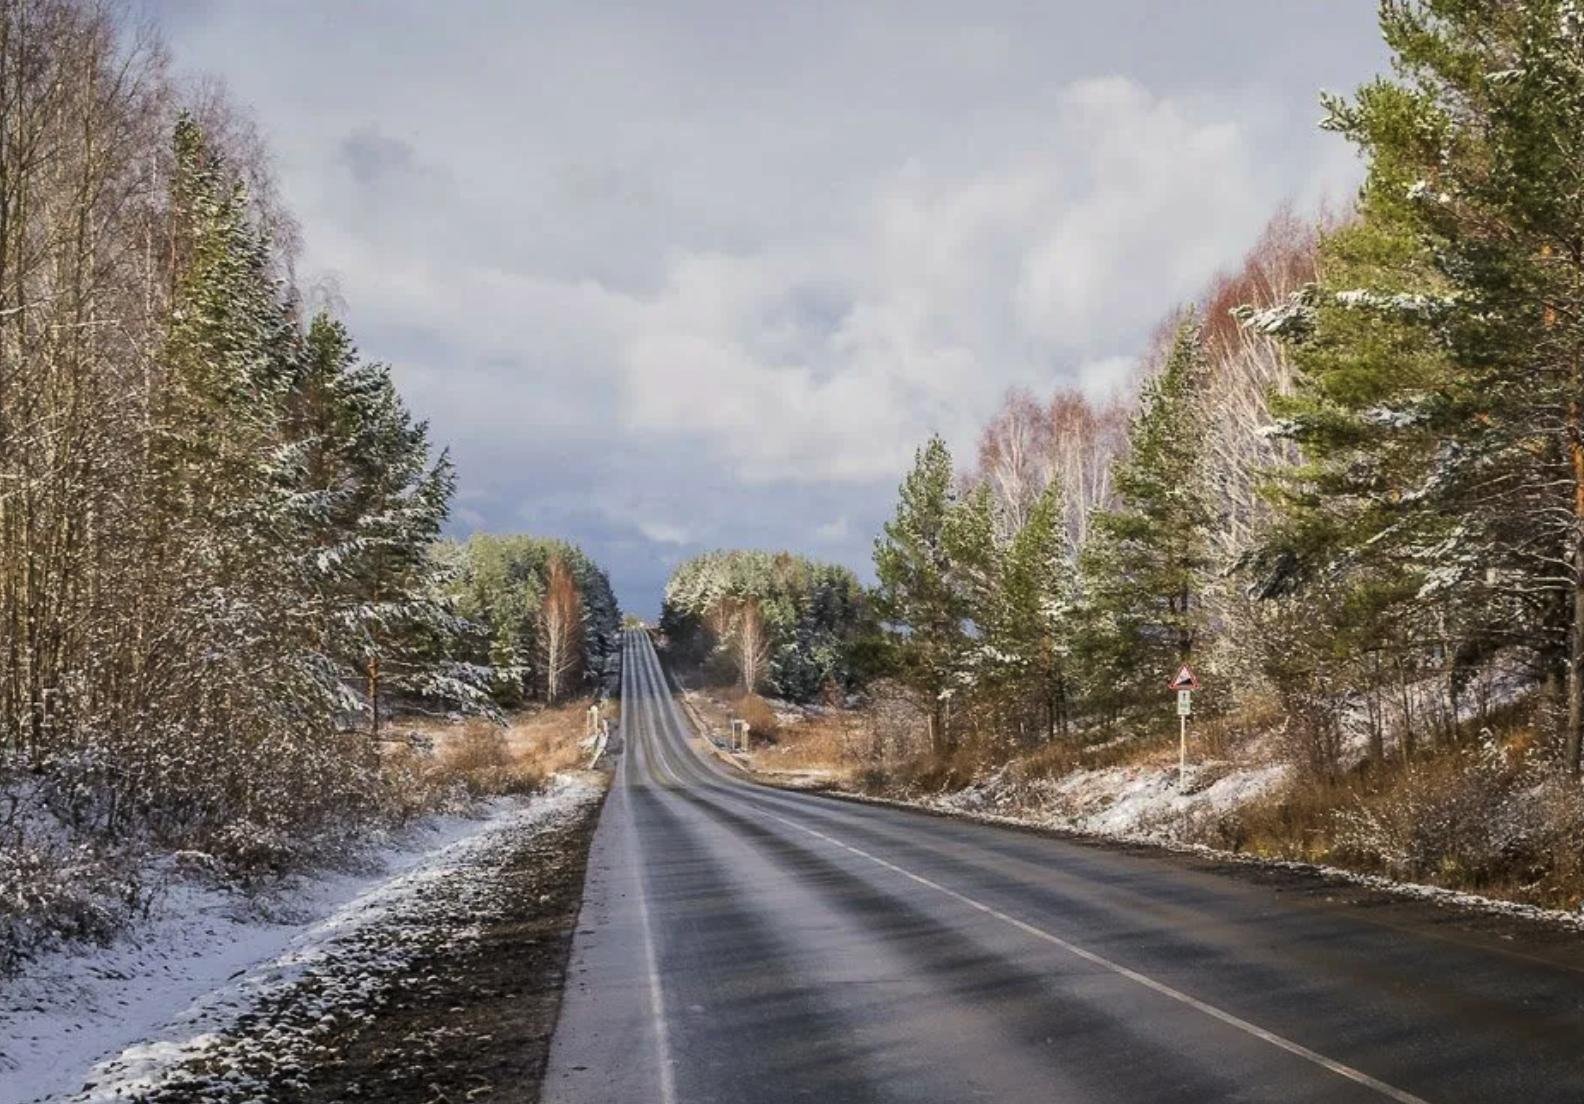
(125, 1017)
(1134, 805)
(1115, 801)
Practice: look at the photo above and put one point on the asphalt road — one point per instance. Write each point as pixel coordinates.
(744, 944)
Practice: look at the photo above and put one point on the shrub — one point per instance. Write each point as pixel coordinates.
(50, 894)
(1475, 819)
(481, 763)
(760, 716)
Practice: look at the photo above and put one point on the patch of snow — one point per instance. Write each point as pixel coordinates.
(1113, 801)
(1120, 800)
(117, 1017)
(1437, 895)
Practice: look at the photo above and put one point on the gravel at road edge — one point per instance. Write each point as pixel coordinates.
(446, 992)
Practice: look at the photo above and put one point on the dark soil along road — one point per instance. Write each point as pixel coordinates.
(442, 986)
(473, 1020)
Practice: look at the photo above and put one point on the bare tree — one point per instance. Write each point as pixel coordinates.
(560, 628)
(1016, 459)
(1072, 441)
(750, 642)
(1248, 367)
(1086, 438)
(80, 125)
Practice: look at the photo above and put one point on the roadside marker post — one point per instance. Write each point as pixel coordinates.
(739, 736)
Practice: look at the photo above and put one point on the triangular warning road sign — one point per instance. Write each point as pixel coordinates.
(1185, 680)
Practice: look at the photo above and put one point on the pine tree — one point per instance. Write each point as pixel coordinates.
(371, 500)
(1036, 626)
(228, 625)
(916, 596)
(1473, 156)
(1144, 563)
(975, 558)
(1368, 522)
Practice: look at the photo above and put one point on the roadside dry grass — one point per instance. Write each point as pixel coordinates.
(1488, 814)
(478, 758)
(825, 746)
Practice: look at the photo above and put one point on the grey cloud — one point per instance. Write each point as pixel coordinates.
(705, 272)
(373, 158)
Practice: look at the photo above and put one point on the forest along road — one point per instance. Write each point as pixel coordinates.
(739, 943)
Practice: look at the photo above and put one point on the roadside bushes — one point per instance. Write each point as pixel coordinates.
(52, 892)
(480, 762)
(1478, 818)
(761, 718)
(1489, 815)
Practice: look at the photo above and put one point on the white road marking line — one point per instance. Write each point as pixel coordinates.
(1391, 1092)
(657, 1019)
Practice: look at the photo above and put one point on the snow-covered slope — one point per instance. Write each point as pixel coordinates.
(116, 1018)
(1132, 801)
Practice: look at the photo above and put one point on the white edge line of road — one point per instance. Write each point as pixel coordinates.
(1391, 1092)
(662, 1034)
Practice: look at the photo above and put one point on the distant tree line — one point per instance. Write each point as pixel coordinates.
(770, 621)
(541, 616)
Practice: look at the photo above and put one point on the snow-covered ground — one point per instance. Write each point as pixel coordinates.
(1142, 805)
(117, 1020)
(1118, 801)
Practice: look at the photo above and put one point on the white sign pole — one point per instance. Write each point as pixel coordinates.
(1184, 707)
(1185, 683)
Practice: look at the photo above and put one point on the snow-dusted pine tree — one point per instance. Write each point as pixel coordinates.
(917, 597)
(1143, 567)
(1037, 623)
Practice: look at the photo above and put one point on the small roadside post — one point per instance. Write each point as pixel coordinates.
(739, 740)
(1185, 684)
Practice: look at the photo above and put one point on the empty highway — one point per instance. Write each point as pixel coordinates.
(745, 944)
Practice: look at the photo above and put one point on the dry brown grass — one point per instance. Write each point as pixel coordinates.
(550, 738)
(829, 743)
(480, 761)
(1488, 815)
(762, 721)
(479, 758)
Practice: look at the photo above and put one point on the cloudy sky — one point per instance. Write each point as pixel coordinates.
(671, 276)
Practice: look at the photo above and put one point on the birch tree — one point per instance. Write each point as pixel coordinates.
(561, 628)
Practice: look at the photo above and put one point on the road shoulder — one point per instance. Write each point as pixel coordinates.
(440, 984)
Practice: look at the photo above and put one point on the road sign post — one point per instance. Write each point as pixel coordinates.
(1185, 684)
